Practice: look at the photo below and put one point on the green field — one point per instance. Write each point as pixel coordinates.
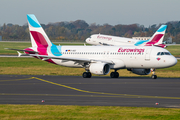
(57, 112)
(174, 49)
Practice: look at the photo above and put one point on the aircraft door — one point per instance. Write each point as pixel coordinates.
(147, 54)
(106, 54)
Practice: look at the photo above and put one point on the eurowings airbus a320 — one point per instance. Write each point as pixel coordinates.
(155, 40)
(96, 59)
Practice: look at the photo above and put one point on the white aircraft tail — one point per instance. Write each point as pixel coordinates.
(37, 34)
(158, 36)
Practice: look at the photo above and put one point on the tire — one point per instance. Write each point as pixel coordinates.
(112, 74)
(154, 76)
(116, 74)
(85, 75)
(89, 75)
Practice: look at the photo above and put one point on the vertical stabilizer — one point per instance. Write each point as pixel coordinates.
(158, 36)
(37, 34)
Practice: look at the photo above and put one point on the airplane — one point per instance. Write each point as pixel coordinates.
(155, 40)
(96, 59)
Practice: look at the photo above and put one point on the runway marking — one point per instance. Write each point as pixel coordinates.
(113, 94)
(25, 84)
(127, 83)
(16, 79)
(62, 95)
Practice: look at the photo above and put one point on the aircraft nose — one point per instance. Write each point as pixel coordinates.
(88, 40)
(175, 61)
(172, 61)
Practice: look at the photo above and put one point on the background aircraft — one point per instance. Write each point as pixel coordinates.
(97, 59)
(155, 40)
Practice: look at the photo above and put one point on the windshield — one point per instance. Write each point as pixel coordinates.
(163, 53)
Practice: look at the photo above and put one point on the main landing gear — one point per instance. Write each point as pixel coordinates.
(153, 74)
(114, 74)
(86, 75)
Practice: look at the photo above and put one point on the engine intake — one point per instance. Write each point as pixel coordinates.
(99, 68)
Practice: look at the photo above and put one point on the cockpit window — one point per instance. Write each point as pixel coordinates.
(158, 53)
(167, 53)
(163, 53)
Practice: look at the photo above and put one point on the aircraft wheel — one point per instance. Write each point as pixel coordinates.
(86, 75)
(117, 74)
(89, 74)
(154, 76)
(114, 74)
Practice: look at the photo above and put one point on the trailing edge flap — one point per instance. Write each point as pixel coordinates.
(22, 50)
(72, 59)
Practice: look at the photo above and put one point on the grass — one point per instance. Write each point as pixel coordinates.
(32, 66)
(45, 112)
(174, 50)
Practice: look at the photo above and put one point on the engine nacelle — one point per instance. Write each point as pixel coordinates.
(140, 71)
(99, 68)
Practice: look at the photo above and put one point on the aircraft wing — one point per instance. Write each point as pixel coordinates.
(45, 57)
(105, 44)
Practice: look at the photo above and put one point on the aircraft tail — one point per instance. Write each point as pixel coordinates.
(158, 36)
(39, 39)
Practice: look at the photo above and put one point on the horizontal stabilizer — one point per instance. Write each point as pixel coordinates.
(22, 50)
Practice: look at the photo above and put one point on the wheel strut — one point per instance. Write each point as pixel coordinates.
(153, 73)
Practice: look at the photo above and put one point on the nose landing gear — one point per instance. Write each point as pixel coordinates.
(153, 74)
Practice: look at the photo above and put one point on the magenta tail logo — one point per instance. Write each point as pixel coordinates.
(41, 42)
(154, 40)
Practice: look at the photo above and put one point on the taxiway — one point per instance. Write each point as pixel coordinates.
(100, 91)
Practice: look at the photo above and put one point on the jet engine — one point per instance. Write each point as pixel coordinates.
(99, 68)
(140, 71)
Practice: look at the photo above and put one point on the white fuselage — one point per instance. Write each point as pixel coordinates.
(120, 56)
(97, 39)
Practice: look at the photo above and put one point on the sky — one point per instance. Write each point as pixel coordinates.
(113, 12)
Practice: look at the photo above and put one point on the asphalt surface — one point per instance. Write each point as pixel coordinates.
(96, 91)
